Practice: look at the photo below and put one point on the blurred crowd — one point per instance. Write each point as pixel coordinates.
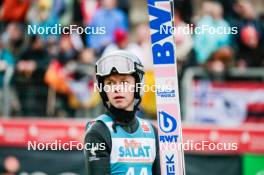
(54, 74)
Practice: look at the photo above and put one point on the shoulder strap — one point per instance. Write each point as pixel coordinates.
(103, 118)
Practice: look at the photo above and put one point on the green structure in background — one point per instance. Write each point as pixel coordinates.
(253, 164)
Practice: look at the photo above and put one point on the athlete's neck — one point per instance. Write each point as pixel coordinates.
(122, 116)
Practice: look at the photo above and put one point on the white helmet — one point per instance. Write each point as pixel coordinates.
(122, 62)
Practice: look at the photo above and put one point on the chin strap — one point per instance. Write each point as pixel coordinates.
(136, 108)
(106, 105)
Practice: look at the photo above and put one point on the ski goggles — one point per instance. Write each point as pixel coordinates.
(122, 64)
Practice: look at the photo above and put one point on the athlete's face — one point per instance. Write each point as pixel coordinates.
(120, 90)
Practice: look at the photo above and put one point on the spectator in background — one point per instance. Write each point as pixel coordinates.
(53, 48)
(110, 17)
(229, 12)
(143, 41)
(67, 51)
(183, 41)
(206, 43)
(41, 16)
(67, 55)
(58, 7)
(88, 9)
(7, 63)
(14, 10)
(121, 41)
(83, 97)
(250, 38)
(11, 166)
(36, 57)
(61, 71)
(148, 104)
(218, 64)
(124, 6)
(77, 13)
(13, 38)
(31, 68)
(66, 17)
(185, 9)
(251, 51)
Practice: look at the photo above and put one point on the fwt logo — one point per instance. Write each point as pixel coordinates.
(167, 122)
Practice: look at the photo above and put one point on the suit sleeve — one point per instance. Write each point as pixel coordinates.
(97, 150)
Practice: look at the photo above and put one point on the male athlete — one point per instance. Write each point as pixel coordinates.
(120, 142)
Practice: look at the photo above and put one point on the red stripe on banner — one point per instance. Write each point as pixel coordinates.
(255, 119)
(18, 132)
(233, 85)
(255, 107)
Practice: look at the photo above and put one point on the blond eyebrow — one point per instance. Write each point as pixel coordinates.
(111, 79)
(107, 80)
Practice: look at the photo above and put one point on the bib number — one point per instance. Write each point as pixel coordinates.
(131, 171)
